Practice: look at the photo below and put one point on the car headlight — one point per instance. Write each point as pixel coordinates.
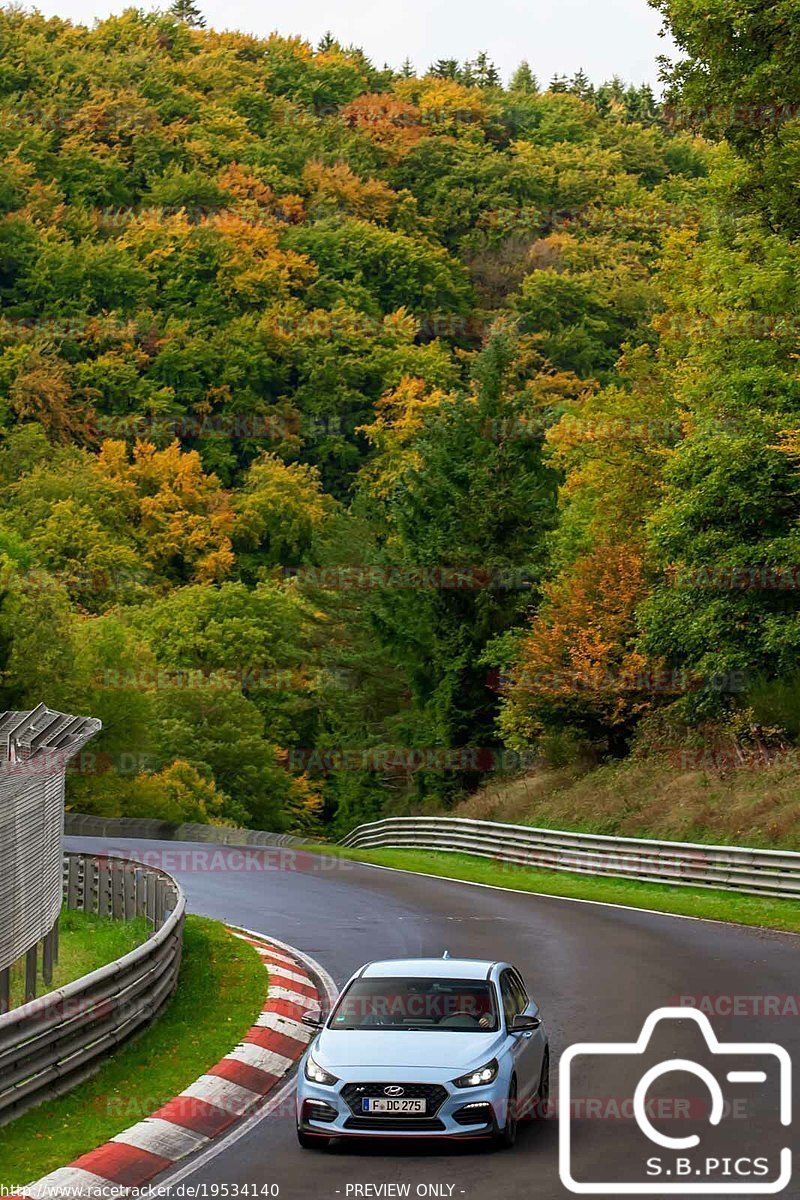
(485, 1074)
(317, 1074)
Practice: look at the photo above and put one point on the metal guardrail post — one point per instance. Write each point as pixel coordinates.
(47, 959)
(73, 881)
(117, 892)
(150, 909)
(31, 968)
(129, 893)
(104, 900)
(161, 901)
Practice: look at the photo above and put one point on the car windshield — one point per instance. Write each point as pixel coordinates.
(457, 1005)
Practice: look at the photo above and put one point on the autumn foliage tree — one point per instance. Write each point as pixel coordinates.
(274, 320)
(579, 667)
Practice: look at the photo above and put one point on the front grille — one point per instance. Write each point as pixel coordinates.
(354, 1093)
(409, 1124)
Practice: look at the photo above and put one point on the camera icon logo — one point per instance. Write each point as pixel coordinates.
(744, 1162)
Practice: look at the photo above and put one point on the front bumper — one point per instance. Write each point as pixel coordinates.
(457, 1113)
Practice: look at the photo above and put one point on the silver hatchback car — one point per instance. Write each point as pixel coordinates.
(426, 1047)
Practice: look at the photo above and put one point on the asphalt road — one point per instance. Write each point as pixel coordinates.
(596, 971)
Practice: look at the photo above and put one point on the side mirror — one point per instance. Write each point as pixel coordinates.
(523, 1024)
(312, 1019)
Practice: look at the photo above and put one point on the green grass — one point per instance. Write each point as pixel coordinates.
(683, 901)
(86, 942)
(221, 992)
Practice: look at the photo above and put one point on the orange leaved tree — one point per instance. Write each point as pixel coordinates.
(579, 664)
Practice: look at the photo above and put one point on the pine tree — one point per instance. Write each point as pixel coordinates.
(484, 71)
(188, 12)
(616, 89)
(326, 42)
(523, 79)
(581, 86)
(445, 68)
(642, 105)
(559, 83)
(610, 97)
(467, 75)
(407, 70)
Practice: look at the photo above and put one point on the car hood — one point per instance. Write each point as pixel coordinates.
(451, 1050)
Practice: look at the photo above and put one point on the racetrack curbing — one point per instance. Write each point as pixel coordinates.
(229, 1092)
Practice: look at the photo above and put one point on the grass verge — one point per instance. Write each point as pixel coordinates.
(221, 992)
(86, 942)
(653, 798)
(783, 915)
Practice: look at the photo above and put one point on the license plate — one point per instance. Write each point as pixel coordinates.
(382, 1104)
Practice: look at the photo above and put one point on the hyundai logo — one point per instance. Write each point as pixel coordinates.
(394, 1090)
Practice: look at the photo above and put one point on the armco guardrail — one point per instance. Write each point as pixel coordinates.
(732, 868)
(53, 1043)
(81, 825)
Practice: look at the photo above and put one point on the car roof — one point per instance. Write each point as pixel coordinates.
(433, 968)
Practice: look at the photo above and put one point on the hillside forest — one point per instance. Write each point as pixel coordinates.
(370, 432)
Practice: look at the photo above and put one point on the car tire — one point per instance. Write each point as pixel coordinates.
(312, 1141)
(507, 1136)
(542, 1101)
